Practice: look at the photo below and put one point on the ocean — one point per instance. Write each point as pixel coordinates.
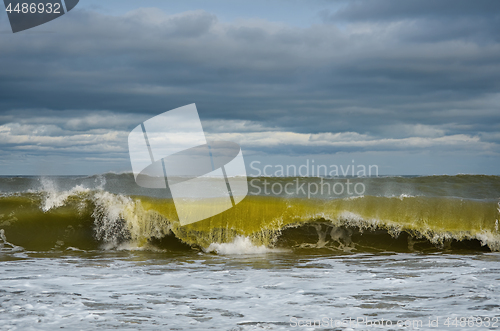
(398, 253)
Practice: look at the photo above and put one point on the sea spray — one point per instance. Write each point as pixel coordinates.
(241, 245)
(54, 198)
(120, 219)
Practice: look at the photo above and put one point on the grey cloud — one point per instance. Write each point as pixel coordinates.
(427, 20)
(384, 69)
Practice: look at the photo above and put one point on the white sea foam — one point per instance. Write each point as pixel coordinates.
(354, 197)
(403, 196)
(146, 290)
(240, 246)
(489, 239)
(4, 243)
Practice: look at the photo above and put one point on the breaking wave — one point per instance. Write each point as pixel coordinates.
(86, 218)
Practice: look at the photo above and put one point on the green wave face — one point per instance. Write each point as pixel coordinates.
(97, 219)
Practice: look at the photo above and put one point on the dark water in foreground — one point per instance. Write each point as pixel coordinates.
(85, 253)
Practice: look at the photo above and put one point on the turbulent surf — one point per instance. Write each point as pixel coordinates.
(395, 214)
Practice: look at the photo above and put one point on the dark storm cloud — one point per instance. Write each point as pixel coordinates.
(388, 75)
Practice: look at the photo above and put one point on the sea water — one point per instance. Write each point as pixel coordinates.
(85, 253)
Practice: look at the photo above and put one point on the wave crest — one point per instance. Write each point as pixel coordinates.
(93, 218)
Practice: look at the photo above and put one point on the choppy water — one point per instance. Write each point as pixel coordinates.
(85, 253)
(202, 291)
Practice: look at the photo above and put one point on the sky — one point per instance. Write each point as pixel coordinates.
(410, 86)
